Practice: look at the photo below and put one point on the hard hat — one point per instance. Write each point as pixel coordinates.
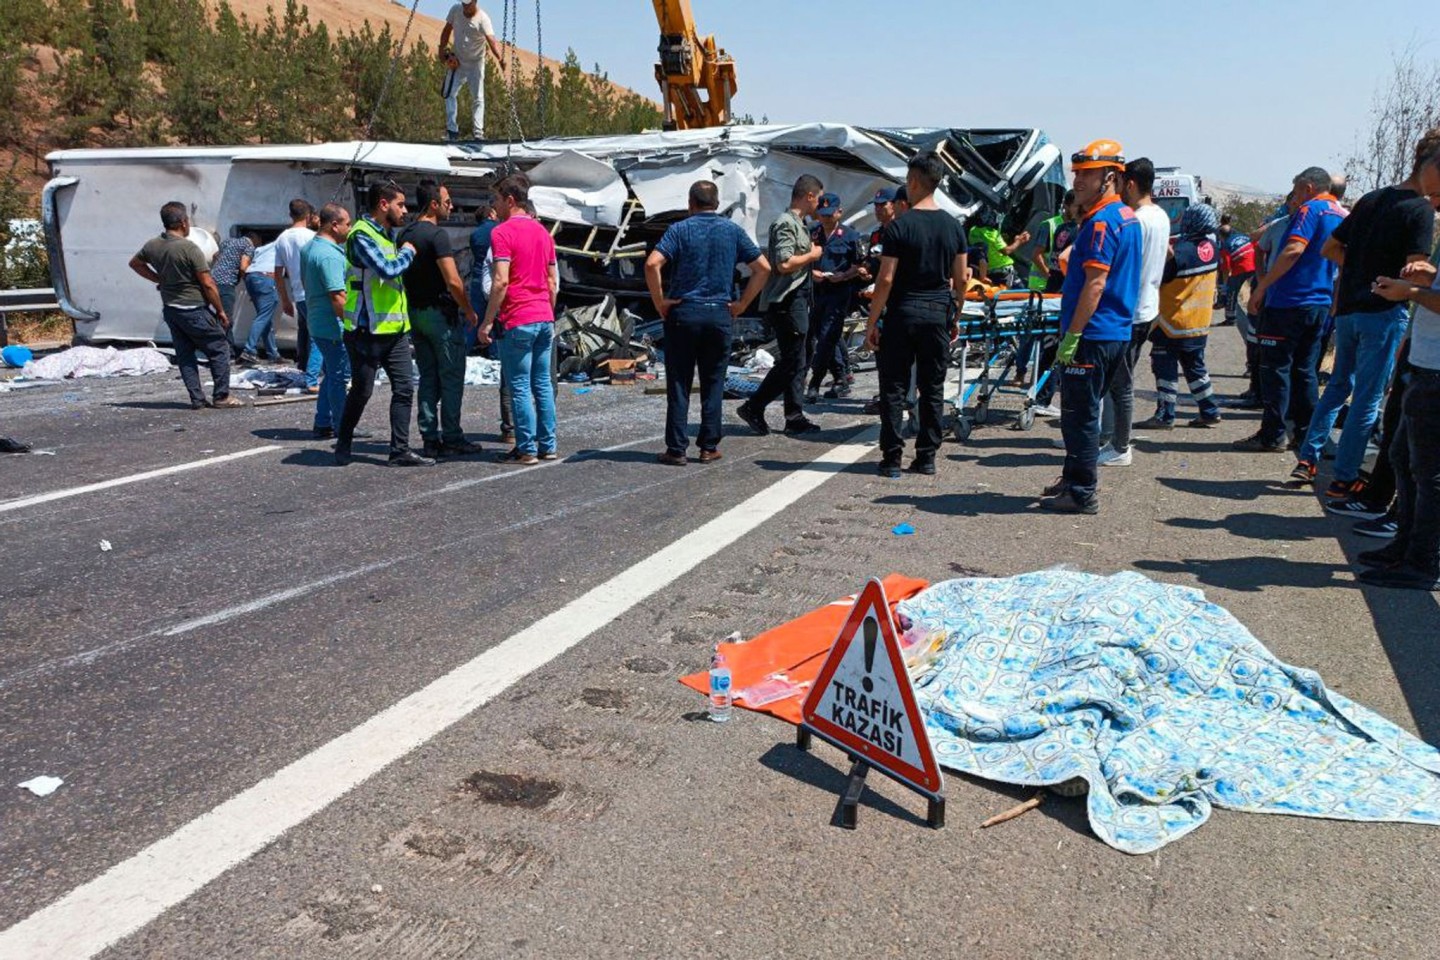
(1099, 154)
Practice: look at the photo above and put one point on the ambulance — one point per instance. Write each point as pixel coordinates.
(1175, 191)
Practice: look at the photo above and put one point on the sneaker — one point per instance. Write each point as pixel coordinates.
(1304, 472)
(1247, 401)
(924, 466)
(548, 455)
(431, 448)
(672, 459)
(1257, 444)
(1387, 556)
(1355, 509)
(1381, 528)
(753, 418)
(1055, 489)
(793, 428)
(323, 433)
(710, 456)
(812, 395)
(1155, 423)
(1109, 457)
(889, 469)
(1049, 411)
(1067, 503)
(11, 445)
(411, 459)
(342, 457)
(1402, 577)
(1344, 489)
(247, 359)
(227, 403)
(1205, 422)
(838, 392)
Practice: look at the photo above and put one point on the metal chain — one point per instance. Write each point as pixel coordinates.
(540, 68)
(379, 101)
(510, 33)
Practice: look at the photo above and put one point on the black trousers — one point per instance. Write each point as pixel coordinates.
(790, 320)
(368, 354)
(828, 323)
(1381, 488)
(697, 337)
(192, 332)
(1085, 380)
(918, 336)
(1416, 456)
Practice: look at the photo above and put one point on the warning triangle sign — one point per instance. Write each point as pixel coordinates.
(863, 702)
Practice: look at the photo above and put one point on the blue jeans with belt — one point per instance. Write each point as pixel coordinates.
(1365, 347)
(262, 292)
(1290, 340)
(697, 337)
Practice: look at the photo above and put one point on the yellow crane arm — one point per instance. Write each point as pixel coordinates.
(697, 78)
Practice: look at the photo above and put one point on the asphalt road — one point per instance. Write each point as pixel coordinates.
(252, 611)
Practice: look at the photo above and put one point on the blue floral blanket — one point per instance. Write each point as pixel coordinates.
(1163, 702)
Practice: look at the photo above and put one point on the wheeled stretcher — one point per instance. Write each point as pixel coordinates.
(997, 336)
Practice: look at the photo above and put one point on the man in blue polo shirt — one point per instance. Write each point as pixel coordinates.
(1097, 309)
(704, 251)
(1295, 295)
(322, 274)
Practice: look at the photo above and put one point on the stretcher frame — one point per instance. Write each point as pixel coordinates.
(992, 342)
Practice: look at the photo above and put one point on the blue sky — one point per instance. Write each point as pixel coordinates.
(1244, 92)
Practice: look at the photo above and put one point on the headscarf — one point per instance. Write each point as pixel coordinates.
(1197, 249)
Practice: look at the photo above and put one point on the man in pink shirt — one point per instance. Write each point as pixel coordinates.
(524, 286)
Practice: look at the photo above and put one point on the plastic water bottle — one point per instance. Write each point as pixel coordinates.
(720, 696)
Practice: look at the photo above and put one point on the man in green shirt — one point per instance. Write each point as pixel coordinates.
(786, 302)
(191, 305)
(999, 255)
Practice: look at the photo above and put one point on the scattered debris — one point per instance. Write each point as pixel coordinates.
(760, 362)
(1019, 810)
(903, 530)
(105, 546)
(42, 786)
(268, 378)
(482, 372)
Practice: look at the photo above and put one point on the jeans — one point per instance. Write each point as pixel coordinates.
(261, 289)
(1233, 285)
(1084, 382)
(195, 330)
(790, 320)
(1365, 347)
(227, 300)
(335, 367)
(368, 354)
(1289, 351)
(697, 337)
(468, 74)
(829, 326)
(1168, 357)
(1117, 411)
(914, 336)
(1416, 457)
(307, 357)
(440, 355)
(525, 355)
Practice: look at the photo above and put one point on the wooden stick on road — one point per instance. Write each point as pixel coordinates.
(1016, 811)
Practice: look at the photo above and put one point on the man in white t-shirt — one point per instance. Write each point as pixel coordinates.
(291, 288)
(1136, 187)
(470, 28)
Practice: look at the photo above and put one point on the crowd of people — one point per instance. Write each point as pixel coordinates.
(370, 294)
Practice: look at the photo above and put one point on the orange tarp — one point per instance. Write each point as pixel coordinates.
(796, 648)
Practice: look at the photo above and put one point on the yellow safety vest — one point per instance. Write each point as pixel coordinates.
(384, 298)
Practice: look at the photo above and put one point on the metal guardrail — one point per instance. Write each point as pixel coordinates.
(36, 300)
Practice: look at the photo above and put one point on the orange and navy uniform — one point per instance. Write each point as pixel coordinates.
(1311, 281)
(1109, 240)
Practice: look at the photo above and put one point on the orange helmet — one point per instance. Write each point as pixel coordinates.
(1099, 154)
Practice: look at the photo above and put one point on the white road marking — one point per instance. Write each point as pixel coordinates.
(39, 498)
(134, 892)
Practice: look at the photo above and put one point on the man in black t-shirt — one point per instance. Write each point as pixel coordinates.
(922, 277)
(437, 305)
(1387, 229)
